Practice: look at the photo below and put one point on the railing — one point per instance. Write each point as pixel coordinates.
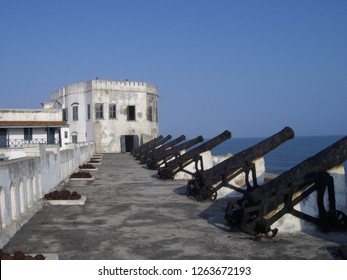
(20, 143)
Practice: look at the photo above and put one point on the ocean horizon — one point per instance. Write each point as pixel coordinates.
(284, 157)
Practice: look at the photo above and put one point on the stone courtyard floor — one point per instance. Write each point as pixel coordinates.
(131, 214)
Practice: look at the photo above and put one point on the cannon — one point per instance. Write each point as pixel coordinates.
(203, 188)
(162, 158)
(152, 147)
(260, 207)
(135, 152)
(193, 155)
(161, 149)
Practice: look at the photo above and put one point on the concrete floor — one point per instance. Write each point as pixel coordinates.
(131, 214)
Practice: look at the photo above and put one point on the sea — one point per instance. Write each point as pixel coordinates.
(284, 157)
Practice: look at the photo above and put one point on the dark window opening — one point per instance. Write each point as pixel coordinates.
(131, 113)
(3, 137)
(64, 115)
(112, 111)
(50, 135)
(75, 113)
(28, 134)
(74, 138)
(150, 113)
(88, 112)
(99, 111)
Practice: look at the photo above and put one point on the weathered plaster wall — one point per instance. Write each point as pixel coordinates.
(106, 132)
(30, 115)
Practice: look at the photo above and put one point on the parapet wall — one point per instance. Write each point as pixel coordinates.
(106, 85)
(288, 223)
(24, 182)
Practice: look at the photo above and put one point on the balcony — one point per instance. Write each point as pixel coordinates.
(20, 143)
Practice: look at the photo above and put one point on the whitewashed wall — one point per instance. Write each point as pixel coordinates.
(106, 132)
(210, 161)
(290, 223)
(24, 182)
(30, 115)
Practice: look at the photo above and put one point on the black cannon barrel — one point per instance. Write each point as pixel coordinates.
(262, 206)
(231, 165)
(142, 147)
(145, 146)
(171, 143)
(160, 150)
(296, 177)
(169, 153)
(154, 146)
(173, 166)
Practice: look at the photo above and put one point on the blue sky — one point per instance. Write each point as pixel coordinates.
(248, 66)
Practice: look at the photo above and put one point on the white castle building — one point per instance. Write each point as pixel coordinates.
(116, 115)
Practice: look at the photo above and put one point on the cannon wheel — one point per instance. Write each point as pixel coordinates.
(191, 188)
(207, 193)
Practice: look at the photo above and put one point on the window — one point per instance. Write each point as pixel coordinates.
(156, 114)
(74, 137)
(131, 113)
(75, 113)
(50, 135)
(150, 113)
(112, 110)
(28, 134)
(88, 112)
(99, 111)
(3, 137)
(66, 135)
(64, 115)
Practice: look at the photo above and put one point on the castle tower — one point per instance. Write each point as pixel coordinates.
(116, 115)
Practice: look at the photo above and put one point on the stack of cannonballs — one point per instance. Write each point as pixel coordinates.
(81, 174)
(62, 195)
(87, 166)
(19, 255)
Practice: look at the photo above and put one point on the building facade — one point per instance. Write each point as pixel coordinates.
(20, 127)
(116, 115)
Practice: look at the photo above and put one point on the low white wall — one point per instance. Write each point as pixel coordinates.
(290, 223)
(24, 182)
(209, 161)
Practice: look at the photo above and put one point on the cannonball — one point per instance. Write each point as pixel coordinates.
(19, 255)
(39, 257)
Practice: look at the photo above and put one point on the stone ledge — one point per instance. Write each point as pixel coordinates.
(83, 179)
(86, 169)
(80, 201)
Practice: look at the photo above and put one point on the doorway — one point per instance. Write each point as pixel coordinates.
(50, 135)
(3, 137)
(128, 143)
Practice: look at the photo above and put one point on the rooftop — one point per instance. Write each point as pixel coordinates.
(9, 124)
(131, 214)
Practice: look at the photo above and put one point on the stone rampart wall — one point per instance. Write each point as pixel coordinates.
(24, 182)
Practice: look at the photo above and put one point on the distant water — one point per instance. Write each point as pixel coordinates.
(285, 156)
